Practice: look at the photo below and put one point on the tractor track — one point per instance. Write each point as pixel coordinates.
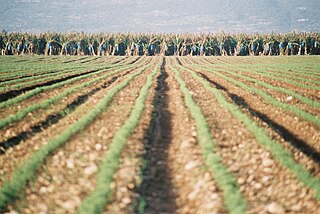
(156, 188)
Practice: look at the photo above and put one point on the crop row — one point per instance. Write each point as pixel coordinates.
(33, 80)
(27, 72)
(38, 90)
(283, 156)
(266, 85)
(11, 67)
(11, 70)
(232, 196)
(58, 115)
(46, 75)
(72, 71)
(94, 203)
(268, 97)
(290, 66)
(276, 75)
(11, 189)
(22, 113)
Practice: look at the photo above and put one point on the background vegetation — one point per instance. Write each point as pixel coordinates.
(101, 44)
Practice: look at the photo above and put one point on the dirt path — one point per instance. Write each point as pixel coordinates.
(175, 178)
(157, 188)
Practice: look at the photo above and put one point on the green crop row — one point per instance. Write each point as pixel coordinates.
(303, 99)
(268, 98)
(50, 78)
(38, 90)
(91, 59)
(262, 69)
(233, 198)
(278, 151)
(52, 73)
(12, 188)
(24, 112)
(37, 69)
(274, 75)
(295, 67)
(186, 60)
(95, 202)
(291, 78)
(29, 67)
(29, 64)
(282, 66)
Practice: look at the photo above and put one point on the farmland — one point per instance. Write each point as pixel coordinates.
(174, 134)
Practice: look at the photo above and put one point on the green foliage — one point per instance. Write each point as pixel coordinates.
(180, 41)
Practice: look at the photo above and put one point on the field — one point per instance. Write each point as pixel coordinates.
(159, 134)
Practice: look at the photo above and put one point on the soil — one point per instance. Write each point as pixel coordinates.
(247, 159)
(161, 168)
(299, 136)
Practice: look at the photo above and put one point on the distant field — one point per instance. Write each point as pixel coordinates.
(160, 134)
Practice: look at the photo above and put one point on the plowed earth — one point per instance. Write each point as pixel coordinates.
(163, 167)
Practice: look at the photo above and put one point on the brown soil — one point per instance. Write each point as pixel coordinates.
(310, 93)
(300, 126)
(12, 93)
(280, 96)
(44, 96)
(161, 167)
(81, 157)
(262, 180)
(297, 135)
(33, 141)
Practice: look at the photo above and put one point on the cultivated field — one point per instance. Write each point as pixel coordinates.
(159, 134)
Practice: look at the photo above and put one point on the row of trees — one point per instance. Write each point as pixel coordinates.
(221, 44)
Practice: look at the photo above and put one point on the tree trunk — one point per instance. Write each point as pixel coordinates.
(99, 49)
(113, 50)
(6, 48)
(62, 49)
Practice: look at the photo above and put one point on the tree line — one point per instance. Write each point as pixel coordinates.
(150, 44)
